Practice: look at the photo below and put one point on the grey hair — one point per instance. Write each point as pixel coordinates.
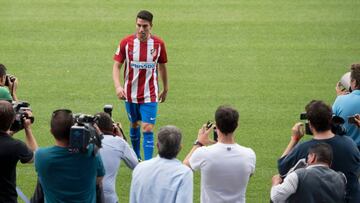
(169, 141)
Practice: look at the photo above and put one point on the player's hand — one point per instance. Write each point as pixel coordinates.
(120, 93)
(340, 90)
(298, 131)
(203, 135)
(162, 96)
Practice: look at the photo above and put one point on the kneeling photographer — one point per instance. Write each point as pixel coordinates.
(114, 149)
(13, 150)
(8, 85)
(346, 157)
(67, 171)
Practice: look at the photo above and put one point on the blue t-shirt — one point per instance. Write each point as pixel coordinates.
(68, 177)
(346, 158)
(345, 106)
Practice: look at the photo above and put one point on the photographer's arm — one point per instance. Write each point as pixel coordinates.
(281, 191)
(297, 134)
(12, 89)
(120, 92)
(30, 139)
(203, 140)
(164, 79)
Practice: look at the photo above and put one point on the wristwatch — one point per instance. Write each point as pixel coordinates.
(198, 143)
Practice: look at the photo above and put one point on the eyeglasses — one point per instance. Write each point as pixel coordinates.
(56, 112)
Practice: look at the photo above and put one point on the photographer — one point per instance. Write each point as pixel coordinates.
(226, 166)
(8, 83)
(114, 149)
(65, 175)
(348, 105)
(346, 155)
(11, 151)
(315, 183)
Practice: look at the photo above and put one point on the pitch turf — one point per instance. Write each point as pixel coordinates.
(266, 58)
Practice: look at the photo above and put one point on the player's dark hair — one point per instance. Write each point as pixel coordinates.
(60, 124)
(226, 119)
(7, 115)
(323, 152)
(169, 142)
(2, 70)
(145, 15)
(319, 115)
(104, 122)
(355, 74)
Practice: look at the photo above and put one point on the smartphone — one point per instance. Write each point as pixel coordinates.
(209, 124)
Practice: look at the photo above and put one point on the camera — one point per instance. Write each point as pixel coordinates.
(108, 109)
(20, 109)
(83, 133)
(8, 79)
(209, 124)
(336, 125)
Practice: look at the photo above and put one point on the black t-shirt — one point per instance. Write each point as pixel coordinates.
(11, 151)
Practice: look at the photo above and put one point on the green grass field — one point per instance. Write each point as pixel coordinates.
(266, 58)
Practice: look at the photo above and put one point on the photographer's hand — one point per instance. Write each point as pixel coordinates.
(276, 180)
(30, 139)
(357, 119)
(118, 130)
(12, 83)
(297, 132)
(340, 90)
(203, 135)
(98, 131)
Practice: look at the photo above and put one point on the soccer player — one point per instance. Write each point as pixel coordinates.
(144, 55)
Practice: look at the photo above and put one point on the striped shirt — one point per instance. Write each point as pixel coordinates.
(141, 62)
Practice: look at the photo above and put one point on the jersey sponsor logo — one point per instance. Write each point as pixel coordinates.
(142, 65)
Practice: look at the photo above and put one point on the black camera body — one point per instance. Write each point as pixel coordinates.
(20, 108)
(9, 78)
(83, 133)
(336, 125)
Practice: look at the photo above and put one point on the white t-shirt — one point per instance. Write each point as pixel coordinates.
(114, 149)
(225, 171)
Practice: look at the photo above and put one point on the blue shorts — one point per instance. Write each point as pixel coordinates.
(145, 112)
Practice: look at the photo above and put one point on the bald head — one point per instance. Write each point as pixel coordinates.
(7, 115)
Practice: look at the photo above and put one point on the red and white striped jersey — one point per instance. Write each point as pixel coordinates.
(141, 62)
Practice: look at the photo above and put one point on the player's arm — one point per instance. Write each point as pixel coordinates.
(164, 79)
(120, 92)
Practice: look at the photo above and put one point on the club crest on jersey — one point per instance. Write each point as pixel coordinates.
(153, 52)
